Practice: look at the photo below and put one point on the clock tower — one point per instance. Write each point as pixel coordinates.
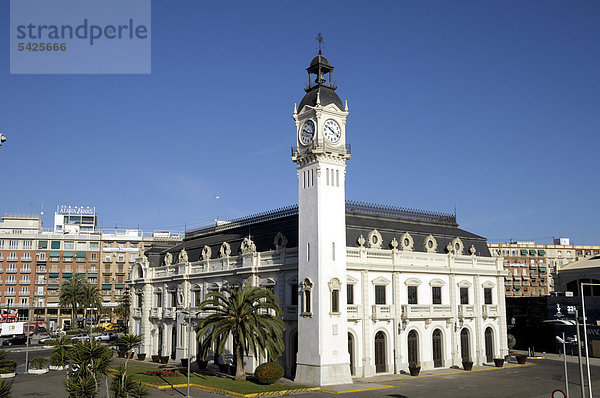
(321, 155)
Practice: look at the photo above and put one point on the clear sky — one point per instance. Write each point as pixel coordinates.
(489, 107)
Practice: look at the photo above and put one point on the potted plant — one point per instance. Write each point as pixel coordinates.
(467, 364)
(60, 352)
(223, 368)
(414, 368)
(37, 366)
(7, 367)
(156, 358)
(202, 364)
(498, 362)
(521, 358)
(184, 362)
(164, 359)
(141, 356)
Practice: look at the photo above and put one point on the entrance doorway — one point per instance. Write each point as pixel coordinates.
(174, 342)
(413, 348)
(351, 352)
(465, 350)
(489, 344)
(437, 348)
(380, 352)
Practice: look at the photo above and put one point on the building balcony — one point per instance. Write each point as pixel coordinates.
(40, 270)
(40, 294)
(354, 311)
(26, 259)
(1, 270)
(14, 259)
(489, 310)
(40, 261)
(10, 282)
(156, 313)
(136, 312)
(382, 311)
(1, 259)
(25, 282)
(466, 311)
(170, 313)
(120, 261)
(508, 294)
(120, 272)
(81, 259)
(52, 294)
(526, 284)
(41, 282)
(106, 272)
(54, 259)
(11, 271)
(10, 294)
(26, 270)
(421, 311)
(21, 293)
(67, 259)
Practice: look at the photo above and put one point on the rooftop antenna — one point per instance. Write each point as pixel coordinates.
(319, 38)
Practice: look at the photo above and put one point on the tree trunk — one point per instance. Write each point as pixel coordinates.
(240, 375)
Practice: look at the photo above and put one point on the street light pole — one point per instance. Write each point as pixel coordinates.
(564, 344)
(579, 354)
(587, 358)
(189, 327)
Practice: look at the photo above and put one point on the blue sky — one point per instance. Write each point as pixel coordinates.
(491, 107)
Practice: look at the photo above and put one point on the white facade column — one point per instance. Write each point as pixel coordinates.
(396, 337)
(454, 329)
(478, 332)
(368, 362)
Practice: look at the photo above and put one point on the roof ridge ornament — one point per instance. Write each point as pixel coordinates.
(319, 38)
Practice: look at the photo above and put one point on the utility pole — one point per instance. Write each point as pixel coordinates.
(579, 354)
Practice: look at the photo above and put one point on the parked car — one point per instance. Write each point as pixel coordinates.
(16, 340)
(81, 337)
(110, 327)
(107, 336)
(44, 340)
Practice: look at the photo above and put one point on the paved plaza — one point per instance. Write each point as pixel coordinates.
(537, 379)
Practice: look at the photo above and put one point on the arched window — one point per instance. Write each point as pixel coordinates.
(307, 287)
(413, 347)
(334, 287)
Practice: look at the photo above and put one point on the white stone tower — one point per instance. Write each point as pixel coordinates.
(321, 155)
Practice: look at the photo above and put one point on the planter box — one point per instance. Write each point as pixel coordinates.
(414, 371)
(52, 367)
(498, 362)
(184, 362)
(202, 364)
(164, 360)
(521, 359)
(38, 371)
(467, 365)
(156, 358)
(141, 357)
(7, 375)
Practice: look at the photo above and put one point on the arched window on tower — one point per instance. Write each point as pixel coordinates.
(307, 287)
(334, 289)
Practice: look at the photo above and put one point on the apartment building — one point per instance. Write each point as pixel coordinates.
(531, 265)
(34, 262)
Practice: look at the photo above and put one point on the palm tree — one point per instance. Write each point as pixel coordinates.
(93, 360)
(90, 297)
(125, 386)
(5, 387)
(124, 309)
(62, 345)
(245, 314)
(71, 295)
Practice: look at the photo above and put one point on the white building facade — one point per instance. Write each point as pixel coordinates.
(365, 289)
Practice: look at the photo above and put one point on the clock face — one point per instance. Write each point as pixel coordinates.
(332, 131)
(307, 133)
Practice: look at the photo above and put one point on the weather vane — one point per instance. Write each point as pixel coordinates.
(319, 38)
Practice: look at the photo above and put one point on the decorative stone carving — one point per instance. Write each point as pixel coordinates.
(206, 252)
(449, 248)
(375, 239)
(430, 244)
(225, 250)
(280, 241)
(168, 260)
(361, 241)
(457, 246)
(472, 250)
(183, 256)
(180, 295)
(407, 242)
(394, 243)
(248, 246)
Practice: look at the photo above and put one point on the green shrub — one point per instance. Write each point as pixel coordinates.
(38, 363)
(55, 359)
(7, 366)
(72, 332)
(268, 373)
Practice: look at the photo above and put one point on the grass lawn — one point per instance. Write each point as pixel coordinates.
(223, 383)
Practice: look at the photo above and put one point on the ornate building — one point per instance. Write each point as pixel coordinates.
(365, 289)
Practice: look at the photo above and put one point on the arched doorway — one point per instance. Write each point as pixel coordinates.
(380, 352)
(489, 344)
(436, 343)
(413, 347)
(173, 341)
(351, 352)
(465, 348)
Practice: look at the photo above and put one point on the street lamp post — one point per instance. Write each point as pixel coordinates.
(587, 358)
(579, 354)
(564, 344)
(188, 312)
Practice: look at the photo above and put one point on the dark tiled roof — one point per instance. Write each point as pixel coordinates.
(327, 96)
(361, 219)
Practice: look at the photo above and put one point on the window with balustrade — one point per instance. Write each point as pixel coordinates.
(412, 292)
(436, 295)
